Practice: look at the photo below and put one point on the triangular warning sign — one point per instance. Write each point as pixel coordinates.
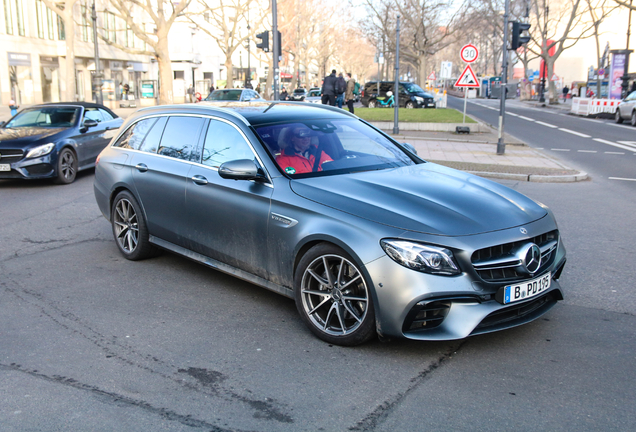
(554, 77)
(467, 78)
(431, 77)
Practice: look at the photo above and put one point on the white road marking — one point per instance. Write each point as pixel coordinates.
(614, 152)
(560, 149)
(512, 114)
(526, 118)
(624, 179)
(587, 151)
(547, 124)
(575, 133)
(621, 146)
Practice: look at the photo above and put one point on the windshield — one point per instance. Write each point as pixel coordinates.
(299, 91)
(45, 117)
(413, 88)
(312, 148)
(314, 93)
(231, 95)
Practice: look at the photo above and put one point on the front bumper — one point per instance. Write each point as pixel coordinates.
(32, 168)
(422, 306)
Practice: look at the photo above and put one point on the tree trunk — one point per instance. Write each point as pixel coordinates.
(552, 94)
(229, 69)
(166, 95)
(270, 80)
(421, 70)
(69, 29)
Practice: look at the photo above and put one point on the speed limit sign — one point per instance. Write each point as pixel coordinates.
(469, 53)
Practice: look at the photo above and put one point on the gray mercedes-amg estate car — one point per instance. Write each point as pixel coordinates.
(316, 204)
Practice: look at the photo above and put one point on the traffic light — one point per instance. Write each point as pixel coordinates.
(280, 50)
(264, 43)
(519, 39)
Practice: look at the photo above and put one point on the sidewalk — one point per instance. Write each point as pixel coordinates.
(475, 153)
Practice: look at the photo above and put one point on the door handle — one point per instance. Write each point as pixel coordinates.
(200, 180)
(142, 167)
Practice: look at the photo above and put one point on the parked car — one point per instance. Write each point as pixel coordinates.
(314, 96)
(371, 239)
(410, 95)
(55, 140)
(240, 95)
(626, 110)
(298, 95)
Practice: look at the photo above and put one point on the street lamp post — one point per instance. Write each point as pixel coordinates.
(544, 72)
(625, 83)
(249, 67)
(97, 77)
(396, 96)
(501, 146)
(276, 51)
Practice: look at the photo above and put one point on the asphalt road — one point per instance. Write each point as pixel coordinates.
(601, 147)
(91, 341)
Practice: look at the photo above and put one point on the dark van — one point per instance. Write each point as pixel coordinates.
(411, 95)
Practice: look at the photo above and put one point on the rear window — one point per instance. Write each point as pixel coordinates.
(231, 95)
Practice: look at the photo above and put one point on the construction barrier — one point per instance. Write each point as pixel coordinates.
(588, 106)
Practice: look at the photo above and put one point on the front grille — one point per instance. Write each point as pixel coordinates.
(425, 316)
(523, 312)
(39, 169)
(10, 155)
(499, 264)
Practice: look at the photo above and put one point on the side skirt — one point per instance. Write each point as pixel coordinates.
(217, 265)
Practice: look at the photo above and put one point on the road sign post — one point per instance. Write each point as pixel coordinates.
(468, 79)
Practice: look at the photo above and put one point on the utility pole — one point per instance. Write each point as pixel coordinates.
(544, 72)
(97, 77)
(501, 146)
(249, 67)
(276, 50)
(625, 83)
(396, 96)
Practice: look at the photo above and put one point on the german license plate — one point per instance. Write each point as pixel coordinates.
(528, 289)
(5, 167)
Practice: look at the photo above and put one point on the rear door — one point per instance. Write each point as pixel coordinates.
(160, 176)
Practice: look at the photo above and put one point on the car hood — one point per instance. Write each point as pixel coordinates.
(426, 198)
(20, 137)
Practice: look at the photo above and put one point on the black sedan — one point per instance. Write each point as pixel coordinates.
(55, 140)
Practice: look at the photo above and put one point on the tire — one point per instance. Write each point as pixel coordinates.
(66, 167)
(618, 117)
(130, 229)
(333, 297)
(409, 105)
(372, 103)
(633, 120)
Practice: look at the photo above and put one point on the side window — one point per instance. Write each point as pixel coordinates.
(151, 142)
(224, 143)
(385, 87)
(180, 137)
(106, 115)
(134, 136)
(93, 114)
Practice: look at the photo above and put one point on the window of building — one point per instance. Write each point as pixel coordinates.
(8, 16)
(61, 30)
(20, 17)
(49, 22)
(39, 14)
(86, 24)
(110, 27)
(179, 75)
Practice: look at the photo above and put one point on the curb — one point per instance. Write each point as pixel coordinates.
(535, 178)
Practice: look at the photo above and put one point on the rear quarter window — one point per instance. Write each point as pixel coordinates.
(134, 136)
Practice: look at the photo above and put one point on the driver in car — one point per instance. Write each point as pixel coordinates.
(300, 156)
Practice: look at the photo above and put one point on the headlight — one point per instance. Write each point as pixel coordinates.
(419, 257)
(419, 99)
(40, 150)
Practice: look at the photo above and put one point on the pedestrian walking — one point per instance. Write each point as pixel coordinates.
(329, 89)
(349, 94)
(341, 88)
(14, 107)
(191, 94)
(566, 90)
(211, 89)
(283, 95)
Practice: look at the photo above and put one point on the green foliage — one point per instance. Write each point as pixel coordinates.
(420, 115)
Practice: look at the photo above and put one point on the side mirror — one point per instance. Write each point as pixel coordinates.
(89, 123)
(241, 169)
(410, 148)
(2, 123)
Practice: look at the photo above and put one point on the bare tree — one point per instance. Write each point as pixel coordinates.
(599, 10)
(162, 15)
(64, 10)
(226, 23)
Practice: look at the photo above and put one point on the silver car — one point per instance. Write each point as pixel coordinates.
(315, 204)
(626, 109)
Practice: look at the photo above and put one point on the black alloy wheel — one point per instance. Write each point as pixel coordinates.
(333, 297)
(130, 229)
(66, 167)
(618, 117)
